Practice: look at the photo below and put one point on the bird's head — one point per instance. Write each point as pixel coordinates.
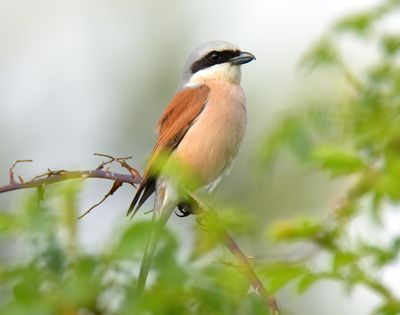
(216, 60)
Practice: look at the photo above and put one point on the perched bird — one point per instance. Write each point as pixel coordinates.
(202, 128)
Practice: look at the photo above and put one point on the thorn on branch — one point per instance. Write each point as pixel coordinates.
(120, 160)
(111, 159)
(11, 171)
(21, 180)
(117, 184)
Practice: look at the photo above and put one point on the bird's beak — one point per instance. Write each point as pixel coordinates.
(243, 58)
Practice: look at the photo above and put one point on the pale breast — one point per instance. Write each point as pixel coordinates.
(213, 141)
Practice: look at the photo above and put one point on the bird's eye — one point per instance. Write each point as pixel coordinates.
(215, 56)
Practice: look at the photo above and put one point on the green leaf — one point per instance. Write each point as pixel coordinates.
(133, 240)
(337, 160)
(342, 260)
(7, 222)
(306, 281)
(301, 142)
(278, 275)
(358, 23)
(303, 228)
(323, 53)
(388, 184)
(390, 44)
(204, 242)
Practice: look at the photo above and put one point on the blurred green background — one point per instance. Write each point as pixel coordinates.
(79, 77)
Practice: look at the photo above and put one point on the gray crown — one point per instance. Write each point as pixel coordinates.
(199, 53)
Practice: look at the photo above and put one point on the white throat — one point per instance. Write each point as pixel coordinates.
(224, 71)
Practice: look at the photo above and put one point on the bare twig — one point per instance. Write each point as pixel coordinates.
(117, 184)
(66, 175)
(110, 158)
(121, 161)
(11, 171)
(52, 177)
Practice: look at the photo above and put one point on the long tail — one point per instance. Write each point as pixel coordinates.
(149, 252)
(160, 218)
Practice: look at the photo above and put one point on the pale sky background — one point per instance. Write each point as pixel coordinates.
(78, 77)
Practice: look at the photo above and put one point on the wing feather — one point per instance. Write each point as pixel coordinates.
(175, 121)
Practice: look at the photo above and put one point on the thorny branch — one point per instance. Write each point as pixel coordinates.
(134, 178)
(52, 177)
(11, 171)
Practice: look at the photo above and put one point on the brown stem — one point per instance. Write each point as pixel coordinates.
(248, 271)
(214, 223)
(65, 175)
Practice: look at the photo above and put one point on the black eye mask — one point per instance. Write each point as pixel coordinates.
(213, 58)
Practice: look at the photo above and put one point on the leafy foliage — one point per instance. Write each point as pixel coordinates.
(51, 274)
(359, 142)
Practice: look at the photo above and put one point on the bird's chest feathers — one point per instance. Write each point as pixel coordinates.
(224, 116)
(213, 140)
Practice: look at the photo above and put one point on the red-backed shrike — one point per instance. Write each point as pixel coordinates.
(202, 128)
